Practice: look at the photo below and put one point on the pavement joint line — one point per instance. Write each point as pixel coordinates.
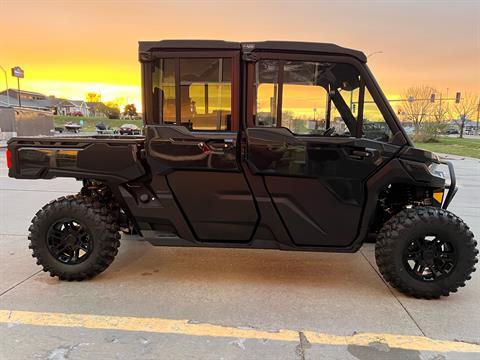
(393, 294)
(20, 283)
(185, 327)
(36, 190)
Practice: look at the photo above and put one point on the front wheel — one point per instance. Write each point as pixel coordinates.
(74, 238)
(426, 252)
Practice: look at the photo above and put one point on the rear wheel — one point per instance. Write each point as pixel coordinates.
(426, 252)
(74, 238)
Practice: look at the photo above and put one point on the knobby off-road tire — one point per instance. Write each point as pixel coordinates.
(434, 237)
(69, 223)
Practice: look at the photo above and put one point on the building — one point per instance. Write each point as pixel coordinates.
(29, 99)
(15, 121)
(72, 107)
(24, 95)
(57, 106)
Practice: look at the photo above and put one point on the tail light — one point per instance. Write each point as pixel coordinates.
(9, 159)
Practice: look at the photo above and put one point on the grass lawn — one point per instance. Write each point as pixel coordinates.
(90, 122)
(455, 146)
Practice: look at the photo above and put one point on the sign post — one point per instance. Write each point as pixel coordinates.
(18, 72)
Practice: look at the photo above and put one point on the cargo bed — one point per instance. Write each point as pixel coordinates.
(103, 157)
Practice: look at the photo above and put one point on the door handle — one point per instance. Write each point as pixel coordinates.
(220, 145)
(363, 154)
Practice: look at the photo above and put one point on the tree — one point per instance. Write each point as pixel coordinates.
(93, 97)
(417, 107)
(464, 110)
(113, 110)
(436, 123)
(130, 110)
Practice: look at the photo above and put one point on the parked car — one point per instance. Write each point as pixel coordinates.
(129, 129)
(225, 181)
(452, 131)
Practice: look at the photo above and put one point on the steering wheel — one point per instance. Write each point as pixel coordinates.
(329, 132)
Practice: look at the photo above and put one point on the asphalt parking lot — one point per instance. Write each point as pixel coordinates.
(164, 303)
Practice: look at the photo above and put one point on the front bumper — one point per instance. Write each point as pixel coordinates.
(452, 187)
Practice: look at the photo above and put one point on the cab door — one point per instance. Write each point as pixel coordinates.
(305, 138)
(193, 149)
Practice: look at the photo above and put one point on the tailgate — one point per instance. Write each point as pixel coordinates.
(88, 157)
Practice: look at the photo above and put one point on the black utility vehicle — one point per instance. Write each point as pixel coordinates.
(269, 144)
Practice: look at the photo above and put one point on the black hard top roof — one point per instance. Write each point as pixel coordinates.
(290, 46)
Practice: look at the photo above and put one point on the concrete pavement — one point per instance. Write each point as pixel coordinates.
(223, 303)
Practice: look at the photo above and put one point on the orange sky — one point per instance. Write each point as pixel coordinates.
(68, 48)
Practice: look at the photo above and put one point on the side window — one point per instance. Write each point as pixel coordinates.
(304, 101)
(163, 83)
(206, 93)
(316, 98)
(266, 88)
(374, 125)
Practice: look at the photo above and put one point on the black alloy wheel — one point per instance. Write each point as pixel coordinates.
(426, 252)
(429, 258)
(74, 237)
(69, 241)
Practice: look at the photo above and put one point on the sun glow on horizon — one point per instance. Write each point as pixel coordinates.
(70, 48)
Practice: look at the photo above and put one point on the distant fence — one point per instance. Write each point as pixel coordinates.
(16, 121)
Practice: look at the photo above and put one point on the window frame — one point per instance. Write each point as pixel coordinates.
(147, 74)
(365, 76)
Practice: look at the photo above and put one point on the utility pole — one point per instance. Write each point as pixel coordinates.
(478, 116)
(440, 113)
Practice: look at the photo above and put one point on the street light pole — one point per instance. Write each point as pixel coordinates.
(375, 52)
(6, 83)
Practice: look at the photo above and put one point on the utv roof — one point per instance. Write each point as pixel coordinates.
(288, 46)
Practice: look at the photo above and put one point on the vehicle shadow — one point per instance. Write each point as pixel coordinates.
(141, 262)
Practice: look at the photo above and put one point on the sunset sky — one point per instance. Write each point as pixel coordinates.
(68, 48)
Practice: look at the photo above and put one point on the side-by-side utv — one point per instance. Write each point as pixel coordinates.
(278, 145)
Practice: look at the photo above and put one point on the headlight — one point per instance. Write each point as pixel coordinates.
(435, 169)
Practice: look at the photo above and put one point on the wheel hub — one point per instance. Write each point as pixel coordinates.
(429, 258)
(69, 241)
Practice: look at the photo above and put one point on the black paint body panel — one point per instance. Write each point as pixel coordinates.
(254, 187)
(286, 192)
(104, 158)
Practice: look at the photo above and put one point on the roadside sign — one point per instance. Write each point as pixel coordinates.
(18, 72)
